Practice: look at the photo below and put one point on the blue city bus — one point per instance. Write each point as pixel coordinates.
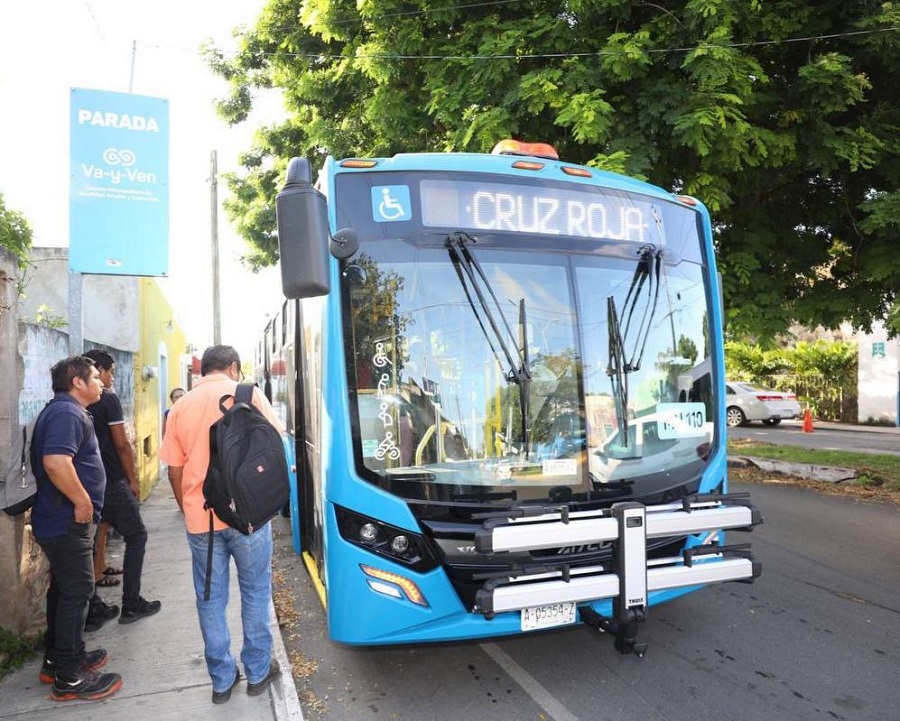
(503, 378)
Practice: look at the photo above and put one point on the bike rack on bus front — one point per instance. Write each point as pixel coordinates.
(627, 526)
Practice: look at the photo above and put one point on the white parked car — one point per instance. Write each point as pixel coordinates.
(745, 403)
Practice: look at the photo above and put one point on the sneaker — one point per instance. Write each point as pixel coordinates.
(255, 689)
(86, 686)
(92, 661)
(98, 614)
(141, 609)
(225, 696)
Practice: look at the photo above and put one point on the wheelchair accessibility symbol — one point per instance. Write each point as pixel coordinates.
(390, 203)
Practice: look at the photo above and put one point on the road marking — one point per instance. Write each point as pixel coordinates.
(541, 696)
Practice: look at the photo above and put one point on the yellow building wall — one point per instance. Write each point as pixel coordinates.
(158, 369)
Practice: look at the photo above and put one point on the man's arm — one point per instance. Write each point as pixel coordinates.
(176, 474)
(61, 470)
(125, 453)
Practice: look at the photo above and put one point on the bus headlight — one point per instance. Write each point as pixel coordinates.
(368, 533)
(400, 544)
(397, 544)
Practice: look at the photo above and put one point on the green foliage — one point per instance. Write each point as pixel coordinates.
(15, 233)
(47, 318)
(781, 117)
(15, 236)
(822, 374)
(16, 650)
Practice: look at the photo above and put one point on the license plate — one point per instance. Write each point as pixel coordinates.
(554, 614)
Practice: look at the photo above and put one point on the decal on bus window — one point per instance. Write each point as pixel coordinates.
(387, 448)
(390, 203)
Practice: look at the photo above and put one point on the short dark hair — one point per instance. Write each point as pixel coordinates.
(68, 369)
(218, 358)
(103, 360)
(174, 391)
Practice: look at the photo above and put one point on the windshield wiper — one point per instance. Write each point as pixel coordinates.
(469, 270)
(646, 274)
(616, 368)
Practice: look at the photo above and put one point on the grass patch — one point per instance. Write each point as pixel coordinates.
(874, 469)
(16, 650)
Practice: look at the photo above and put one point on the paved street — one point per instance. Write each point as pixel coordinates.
(826, 436)
(812, 639)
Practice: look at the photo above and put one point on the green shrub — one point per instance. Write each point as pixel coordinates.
(16, 650)
(823, 374)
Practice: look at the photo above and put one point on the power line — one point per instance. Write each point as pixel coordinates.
(535, 56)
(412, 13)
(383, 16)
(87, 4)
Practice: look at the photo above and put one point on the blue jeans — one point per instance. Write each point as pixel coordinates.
(253, 559)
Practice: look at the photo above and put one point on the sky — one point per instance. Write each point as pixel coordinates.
(49, 47)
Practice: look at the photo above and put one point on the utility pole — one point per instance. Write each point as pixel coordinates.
(133, 58)
(214, 234)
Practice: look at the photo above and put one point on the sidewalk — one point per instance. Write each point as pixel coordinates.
(849, 427)
(160, 658)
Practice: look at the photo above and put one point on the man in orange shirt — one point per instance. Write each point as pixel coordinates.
(186, 449)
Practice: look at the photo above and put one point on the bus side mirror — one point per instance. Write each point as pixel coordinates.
(344, 243)
(303, 238)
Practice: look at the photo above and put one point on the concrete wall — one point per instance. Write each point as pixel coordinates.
(23, 568)
(129, 318)
(107, 300)
(879, 377)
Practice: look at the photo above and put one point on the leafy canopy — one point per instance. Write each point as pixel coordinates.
(15, 233)
(781, 116)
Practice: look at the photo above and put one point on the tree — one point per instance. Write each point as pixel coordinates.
(15, 236)
(823, 374)
(15, 233)
(781, 117)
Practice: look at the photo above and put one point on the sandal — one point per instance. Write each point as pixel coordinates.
(112, 571)
(107, 582)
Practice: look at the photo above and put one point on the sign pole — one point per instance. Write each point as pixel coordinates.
(76, 315)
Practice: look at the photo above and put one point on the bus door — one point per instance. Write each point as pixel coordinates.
(308, 427)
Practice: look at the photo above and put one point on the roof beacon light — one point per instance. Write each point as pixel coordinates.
(517, 147)
(358, 163)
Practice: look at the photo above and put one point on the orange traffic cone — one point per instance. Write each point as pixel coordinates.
(807, 422)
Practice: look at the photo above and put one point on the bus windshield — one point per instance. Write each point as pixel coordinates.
(497, 351)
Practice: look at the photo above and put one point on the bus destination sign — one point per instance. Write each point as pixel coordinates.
(514, 208)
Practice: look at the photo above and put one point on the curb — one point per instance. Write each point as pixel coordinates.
(284, 697)
(846, 427)
(809, 471)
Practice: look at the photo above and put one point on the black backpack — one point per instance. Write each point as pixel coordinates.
(247, 482)
(18, 484)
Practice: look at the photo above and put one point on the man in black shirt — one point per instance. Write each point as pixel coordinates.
(71, 482)
(120, 505)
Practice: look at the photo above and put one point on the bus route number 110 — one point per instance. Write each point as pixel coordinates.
(681, 420)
